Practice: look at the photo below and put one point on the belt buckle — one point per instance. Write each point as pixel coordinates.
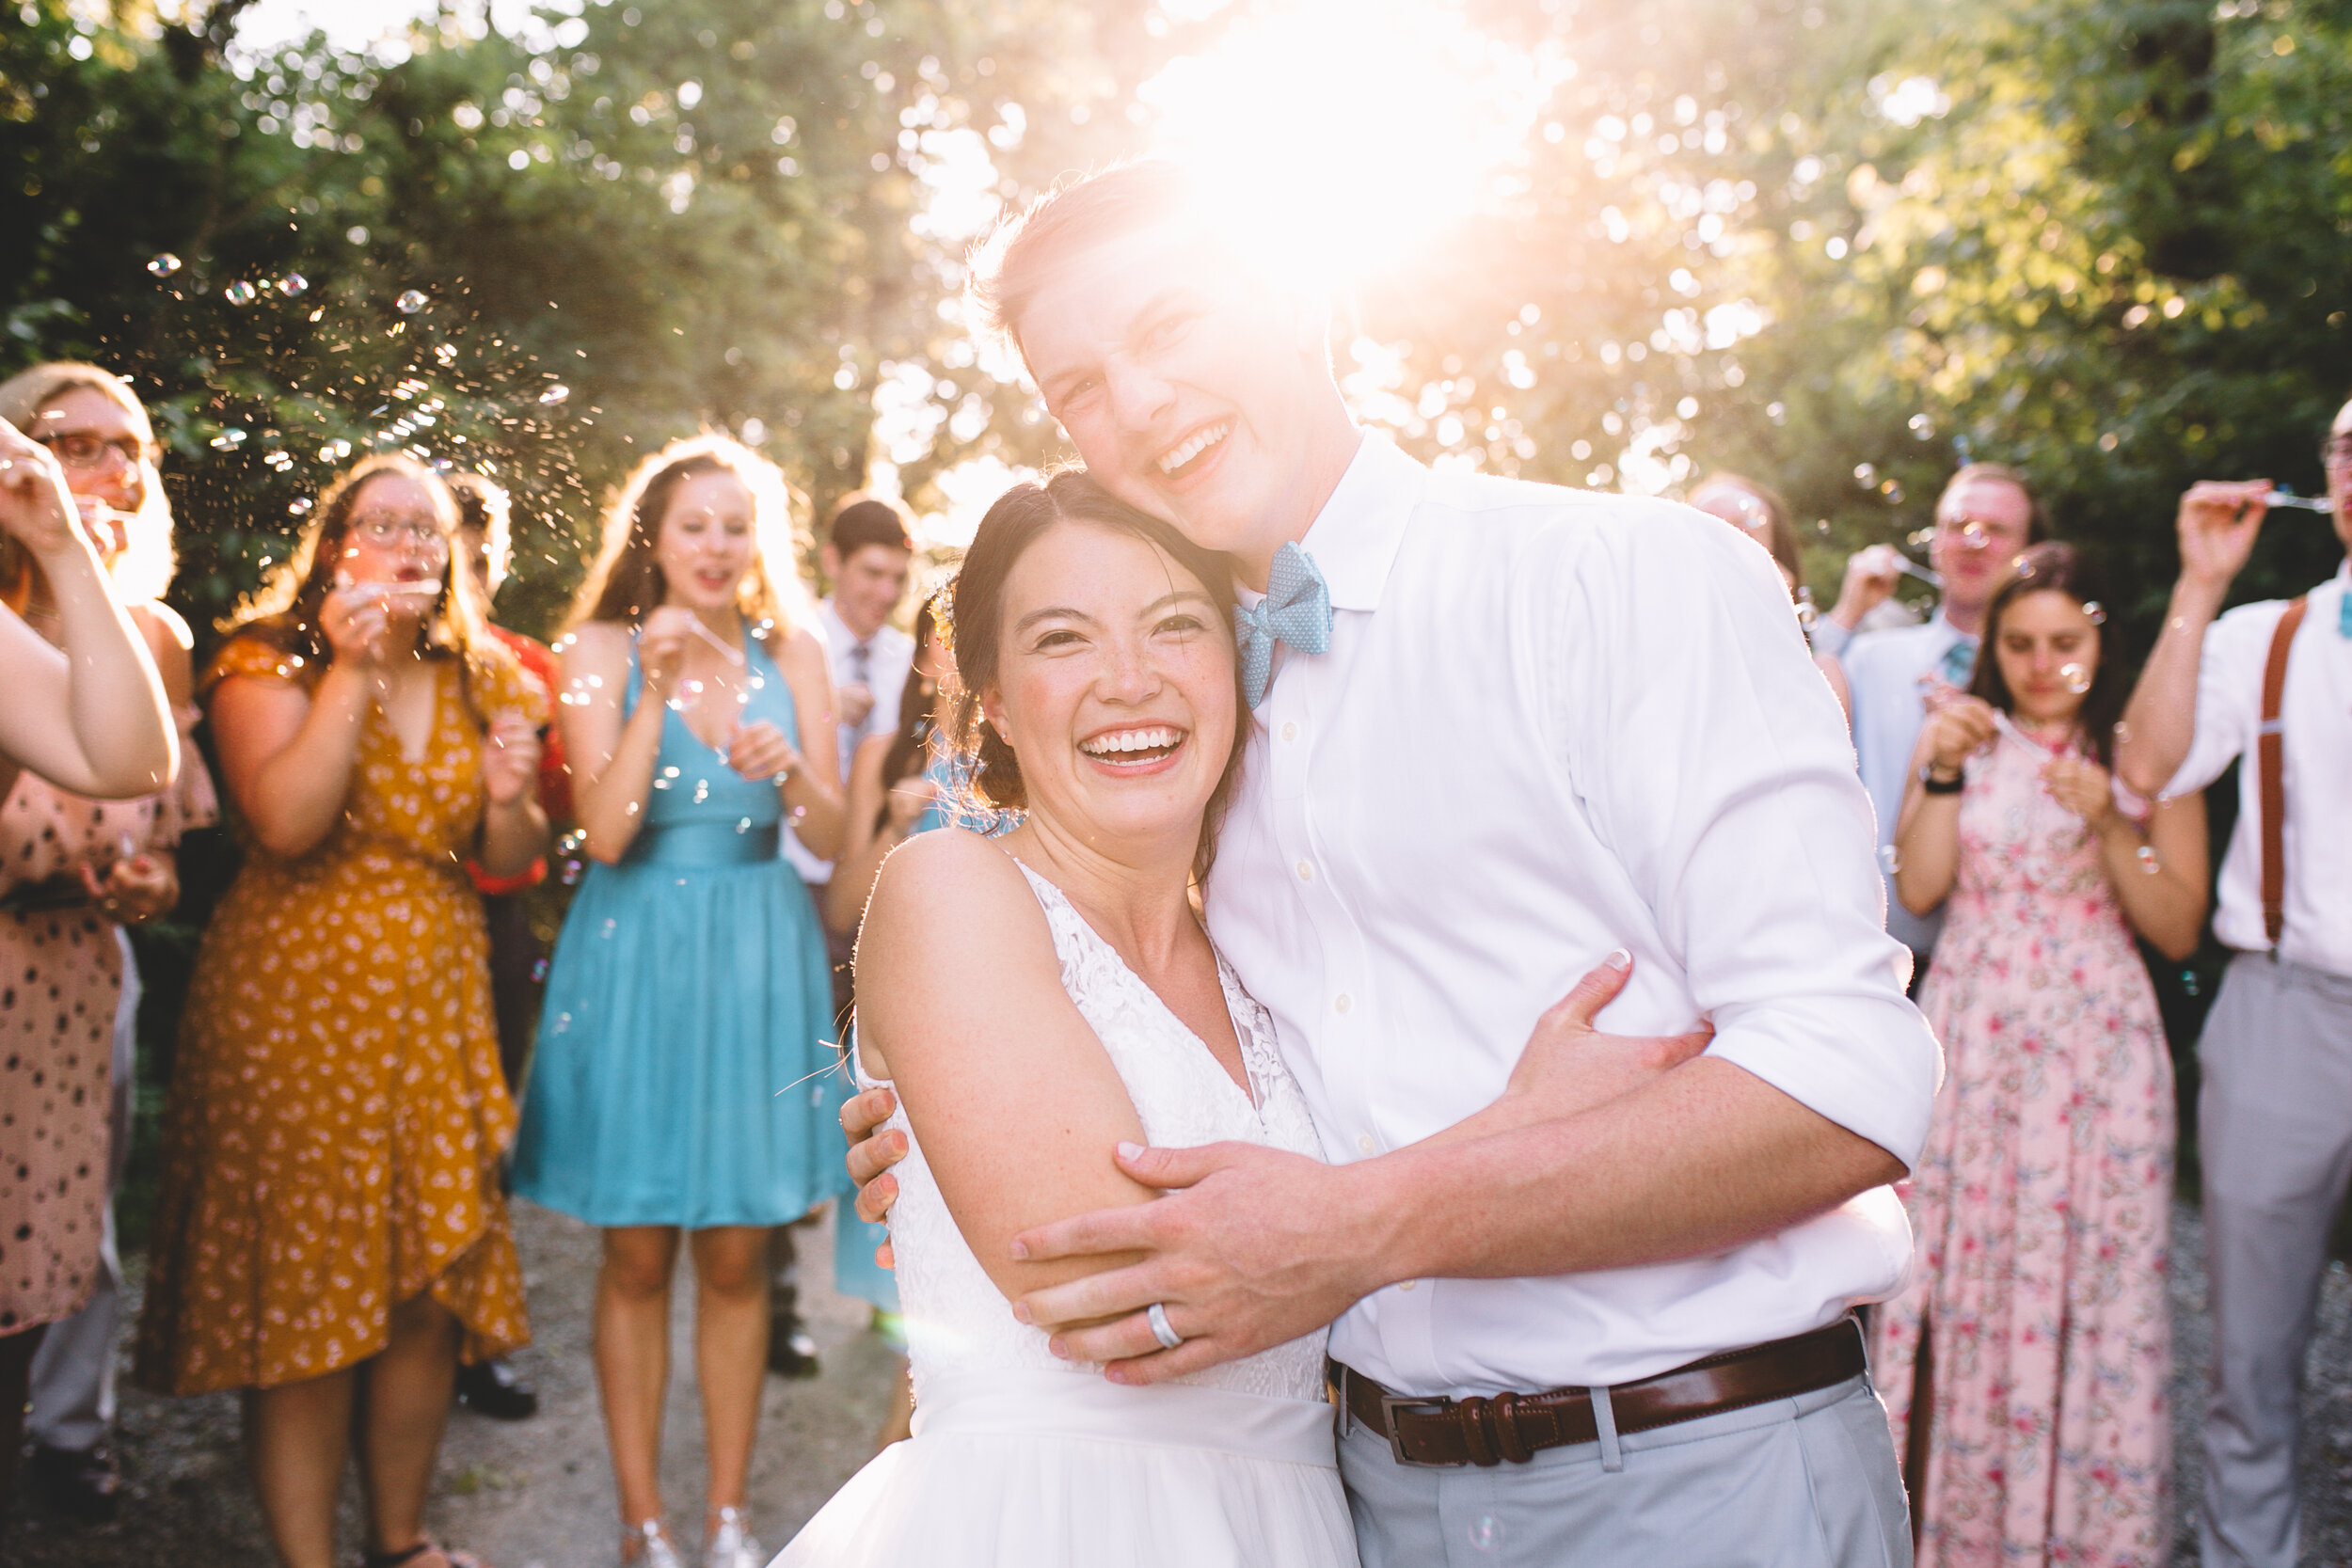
(1391, 1405)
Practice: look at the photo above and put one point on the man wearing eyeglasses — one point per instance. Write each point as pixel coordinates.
(2268, 686)
(1985, 515)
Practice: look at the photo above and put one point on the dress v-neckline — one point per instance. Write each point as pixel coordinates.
(1225, 986)
(432, 724)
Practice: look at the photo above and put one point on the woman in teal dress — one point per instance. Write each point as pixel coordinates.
(684, 1085)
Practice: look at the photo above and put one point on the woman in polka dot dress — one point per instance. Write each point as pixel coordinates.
(684, 1094)
(330, 1207)
(73, 871)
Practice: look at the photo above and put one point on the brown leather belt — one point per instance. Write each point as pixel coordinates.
(1442, 1431)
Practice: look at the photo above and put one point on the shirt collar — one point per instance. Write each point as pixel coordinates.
(837, 631)
(1951, 631)
(1356, 534)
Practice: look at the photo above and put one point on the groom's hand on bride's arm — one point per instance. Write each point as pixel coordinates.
(1252, 1247)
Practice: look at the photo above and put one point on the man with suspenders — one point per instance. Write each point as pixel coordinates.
(2270, 685)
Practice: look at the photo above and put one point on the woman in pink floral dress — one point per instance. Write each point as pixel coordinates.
(2026, 1367)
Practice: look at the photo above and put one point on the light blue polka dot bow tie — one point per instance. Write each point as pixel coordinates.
(1296, 610)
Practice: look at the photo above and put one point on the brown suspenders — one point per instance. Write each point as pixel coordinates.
(2270, 763)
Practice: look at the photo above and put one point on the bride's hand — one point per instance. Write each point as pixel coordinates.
(1569, 1066)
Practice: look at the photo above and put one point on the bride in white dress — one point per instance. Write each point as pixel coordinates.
(1036, 999)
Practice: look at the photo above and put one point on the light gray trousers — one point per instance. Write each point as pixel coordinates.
(2274, 1126)
(1804, 1482)
(73, 1372)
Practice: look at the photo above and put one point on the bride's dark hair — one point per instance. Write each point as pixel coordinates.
(975, 623)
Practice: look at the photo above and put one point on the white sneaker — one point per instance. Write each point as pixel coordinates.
(654, 1550)
(732, 1544)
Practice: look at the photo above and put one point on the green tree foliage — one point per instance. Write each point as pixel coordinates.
(1835, 243)
(535, 254)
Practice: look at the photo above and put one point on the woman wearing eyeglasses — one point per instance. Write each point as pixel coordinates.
(331, 1230)
(73, 868)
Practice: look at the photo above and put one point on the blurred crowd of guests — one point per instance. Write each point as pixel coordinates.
(731, 762)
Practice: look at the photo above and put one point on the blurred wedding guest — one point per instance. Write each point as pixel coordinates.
(900, 785)
(1756, 510)
(485, 542)
(2027, 1368)
(1985, 515)
(331, 1236)
(684, 1093)
(2268, 686)
(78, 870)
(867, 557)
(87, 712)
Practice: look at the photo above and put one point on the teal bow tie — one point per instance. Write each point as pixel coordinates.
(1960, 663)
(1296, 610)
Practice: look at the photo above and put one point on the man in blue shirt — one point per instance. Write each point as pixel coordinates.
(1985, 515)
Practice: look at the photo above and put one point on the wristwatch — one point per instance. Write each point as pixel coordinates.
(1933, 786)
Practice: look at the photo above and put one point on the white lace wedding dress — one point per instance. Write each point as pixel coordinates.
(1025, 1461)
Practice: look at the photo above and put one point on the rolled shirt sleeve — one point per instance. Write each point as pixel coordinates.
(2229, 694)
(1713, 760)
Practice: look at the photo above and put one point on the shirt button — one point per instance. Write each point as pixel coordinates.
(1363, 1143)
(1341, 1003)
(1290, 729)
(1306, 872)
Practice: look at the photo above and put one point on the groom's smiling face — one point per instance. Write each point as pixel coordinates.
(1190, 386)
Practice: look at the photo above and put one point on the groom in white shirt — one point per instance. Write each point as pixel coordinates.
(1508, 730)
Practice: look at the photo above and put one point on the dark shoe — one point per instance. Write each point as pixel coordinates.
(495, 1389)
(81, 1484)
(791, 1349)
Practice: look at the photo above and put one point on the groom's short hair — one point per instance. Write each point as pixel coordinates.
(1008, 267)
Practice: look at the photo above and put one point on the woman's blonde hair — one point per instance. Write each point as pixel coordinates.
(143, 570)
(283, 613)
(626, 583)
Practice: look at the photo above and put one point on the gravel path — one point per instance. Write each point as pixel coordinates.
(538, 1494)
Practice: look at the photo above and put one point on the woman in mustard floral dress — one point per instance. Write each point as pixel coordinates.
(332, 1208)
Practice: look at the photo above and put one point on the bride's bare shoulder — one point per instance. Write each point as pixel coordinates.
(951, 866)
(954, 898)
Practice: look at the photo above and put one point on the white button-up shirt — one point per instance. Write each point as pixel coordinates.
(886, 658)
(2316, 718)
(1889, 674)
(1553, 724)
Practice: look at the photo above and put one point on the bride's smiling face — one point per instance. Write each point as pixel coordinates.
(1114, 686)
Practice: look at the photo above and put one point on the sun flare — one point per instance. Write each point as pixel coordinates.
(1347, 134)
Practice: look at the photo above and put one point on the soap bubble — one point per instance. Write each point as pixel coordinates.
(1922, 428)
(2123, 733)
(292, 284)
(1890, 859)
(1866, 473)
(688, 692)
(1485, 1534)
(2077, 678)
(538, 970)
(227, 440)
(1893, 491)
(446, 353)
(556, 394)
(299, 506)
(164, 265)
(410, 302)
(1973, 537)
(2097, 611)
(240, 292)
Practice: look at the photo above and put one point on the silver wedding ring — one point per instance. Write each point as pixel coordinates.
(1157, 1315)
